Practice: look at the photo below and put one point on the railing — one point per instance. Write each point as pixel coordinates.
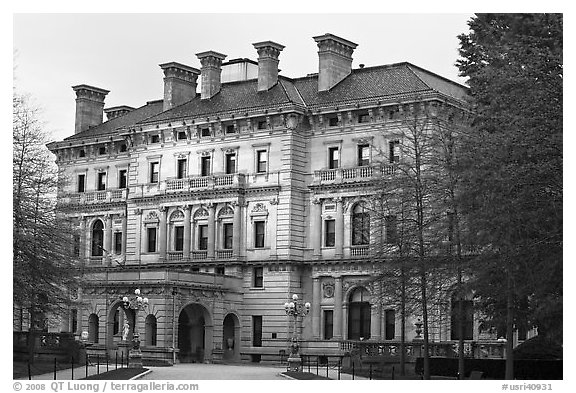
(95, 260)
(175, 255)
(192, 183)
(224, 254)
(359, 250)
(358, 173)
(97, 196)
(472, 349)
(199, 254)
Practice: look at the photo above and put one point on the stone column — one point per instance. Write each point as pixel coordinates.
(316, 299)
(338, 323)
(163, 235)
(139, 230)
(339, 227)
(237, 230)
(316, 226)
(375, 321)
(186, 248)
(211, 230)
(84, 249)
(108, 237)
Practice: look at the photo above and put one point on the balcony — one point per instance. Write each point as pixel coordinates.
(81, 198)
(352, 174)
(202, 182)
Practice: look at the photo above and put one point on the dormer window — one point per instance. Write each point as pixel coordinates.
(262, 125)
(155, 139)
(123, 148)
(205, 132)
(230, 129)
(333, 121)
(82, 153)
(102, 150)
(181, 135)
(363, 118)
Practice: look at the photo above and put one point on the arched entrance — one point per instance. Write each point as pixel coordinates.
(194, 334)
(117, 315)
(231, 338)
(359, 314)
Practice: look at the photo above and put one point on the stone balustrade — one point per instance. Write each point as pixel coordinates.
(353, 174)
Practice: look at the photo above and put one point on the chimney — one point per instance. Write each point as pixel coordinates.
(179, 84)
(268, 53)
(335, 55)
(89, 107)
(210, 73)
(117, 111)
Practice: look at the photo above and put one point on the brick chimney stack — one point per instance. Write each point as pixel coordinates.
(89, 107)
(268, 53)
(210, 73)
(335, 58)
(117, 111)
(179, 84)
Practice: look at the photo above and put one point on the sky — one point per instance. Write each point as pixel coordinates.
(121, 52)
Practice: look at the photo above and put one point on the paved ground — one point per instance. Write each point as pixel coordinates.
(199, 372)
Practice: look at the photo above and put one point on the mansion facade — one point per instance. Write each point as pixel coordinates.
(221, 204)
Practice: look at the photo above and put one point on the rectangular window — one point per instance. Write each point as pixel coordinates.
(101, 186)
(394, 154)
(205, 166)
(230, 129)
(205, 132)
(259, 231)
(181, 135)
(333, 157)
(81, 183)
(261, 161)
(117, 242)
(363, 155)
(82, 153)
(228, 230)
(333, 121)
(181, 166)
(258, 277)
(262, 125)
(220, 270)
(151, 232)
(76, 245)
(155, 139)
(154, 172)
(391, 230)
(122, 178)
(202, 237)
(329, 233)
(102, 150)
(328, 324)
(230, 163)
(257, 330)
(178, 238)
(363, 118)
(74, 318)
(390, 328)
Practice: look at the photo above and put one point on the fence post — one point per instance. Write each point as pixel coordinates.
(327, 364)
(106, 362)
(29, 371)
(317, 365)
(392, 372)
(352, 370)
(370, 371)
(72, 368)
(116, 361)
(339, 366)
(308, 359)
(86, 365)
(54, 368)
(98, 363)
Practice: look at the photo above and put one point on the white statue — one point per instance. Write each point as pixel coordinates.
(125, 331)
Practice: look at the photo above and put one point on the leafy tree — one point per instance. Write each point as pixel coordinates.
(43, 250)
(513, 174)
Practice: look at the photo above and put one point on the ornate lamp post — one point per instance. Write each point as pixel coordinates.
(295, 308)
(137, 303)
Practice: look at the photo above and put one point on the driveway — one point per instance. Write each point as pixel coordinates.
(199, 371)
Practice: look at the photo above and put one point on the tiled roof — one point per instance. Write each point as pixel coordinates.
(109, 127)
(381, 82)
(234, 96)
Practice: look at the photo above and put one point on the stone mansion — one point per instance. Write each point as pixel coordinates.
(237, 189)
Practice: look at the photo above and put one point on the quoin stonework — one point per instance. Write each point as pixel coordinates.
(236, 190)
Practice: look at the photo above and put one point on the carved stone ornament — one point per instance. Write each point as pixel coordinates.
(274, 201)
(292, 121)
(177, 216)
(328, 289)
(259, 208)
(201, 213)
(152, 216)
(226, 211)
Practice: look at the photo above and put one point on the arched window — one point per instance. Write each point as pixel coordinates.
(98, 239)
(468, 319)
(359, 315)
(93, 326)
(116, 327)
(177, 229)
(360, 225)
(150, 330)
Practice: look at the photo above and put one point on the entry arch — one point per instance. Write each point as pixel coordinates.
(195, 333)
(231, 337)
